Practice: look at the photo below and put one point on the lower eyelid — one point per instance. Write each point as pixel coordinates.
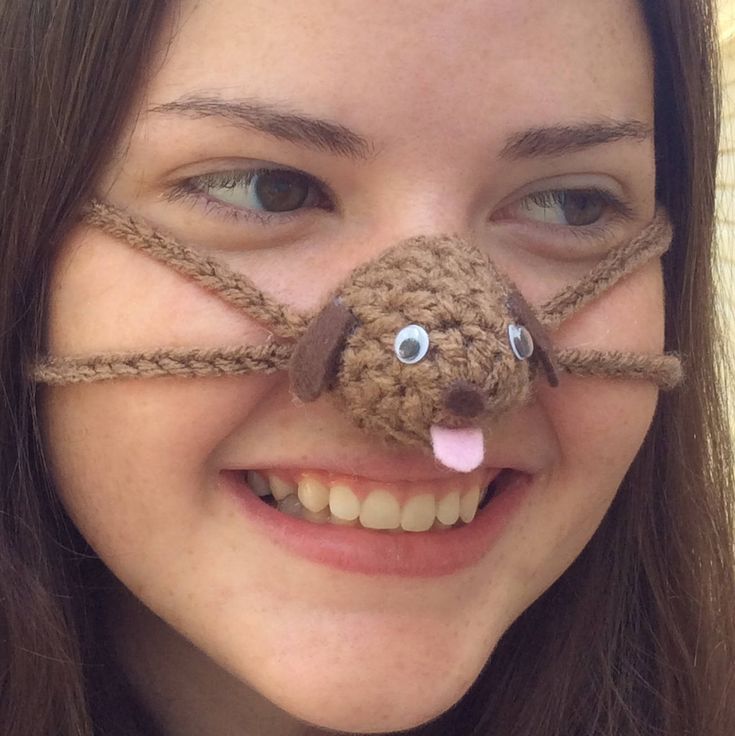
(564, 241)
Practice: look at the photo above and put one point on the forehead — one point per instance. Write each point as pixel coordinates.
(396, 69)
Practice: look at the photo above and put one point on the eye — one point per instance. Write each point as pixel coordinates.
(521, 342)
(260, 190)
(571, 207)
(411, 344)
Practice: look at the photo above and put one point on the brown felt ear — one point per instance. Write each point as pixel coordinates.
(543, 349)
(315, 359)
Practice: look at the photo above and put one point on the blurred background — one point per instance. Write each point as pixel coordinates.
(726, 200)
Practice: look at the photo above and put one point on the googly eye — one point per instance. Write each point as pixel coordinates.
(521, 342)
(411, 344)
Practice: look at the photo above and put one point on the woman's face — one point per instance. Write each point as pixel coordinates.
(478, 118)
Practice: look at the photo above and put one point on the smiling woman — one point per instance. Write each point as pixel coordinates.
(331, 349)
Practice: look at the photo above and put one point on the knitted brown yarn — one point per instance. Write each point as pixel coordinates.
(455, 293)
(652, 242)
(213, 275)
(663, 370)
(470, 373)
(182, 362)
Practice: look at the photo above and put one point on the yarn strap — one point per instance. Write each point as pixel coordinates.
(237, 290)
(266, 358)
(652, 242)
(663, 370)
(215, 276)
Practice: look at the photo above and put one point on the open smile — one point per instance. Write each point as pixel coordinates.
(409, 528)
(351, 501)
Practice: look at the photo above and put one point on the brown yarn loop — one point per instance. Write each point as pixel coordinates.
(651, 242)
(444, 285)
(663, 370)
(174, 362)
(215, 276)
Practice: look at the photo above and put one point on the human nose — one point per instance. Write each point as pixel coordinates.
(420, 210)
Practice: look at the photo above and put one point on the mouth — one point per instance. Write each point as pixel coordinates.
(392, 507)
(425, 527)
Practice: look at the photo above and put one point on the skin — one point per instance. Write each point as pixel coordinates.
(220, 631)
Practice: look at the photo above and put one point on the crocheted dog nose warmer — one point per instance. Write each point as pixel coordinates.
(426, 345)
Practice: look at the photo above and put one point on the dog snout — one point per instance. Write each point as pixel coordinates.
(464, 399)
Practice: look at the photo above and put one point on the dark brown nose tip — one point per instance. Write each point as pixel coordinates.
(464, 399)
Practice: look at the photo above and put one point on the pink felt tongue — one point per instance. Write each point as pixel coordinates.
(458, 449)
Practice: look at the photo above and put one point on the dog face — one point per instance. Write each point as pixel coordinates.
(419, 339)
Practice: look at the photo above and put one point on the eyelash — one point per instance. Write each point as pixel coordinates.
(556, 196)
(621, 210)
(191, 189)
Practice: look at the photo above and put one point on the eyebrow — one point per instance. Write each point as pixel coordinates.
(276, 121)
(325, 135)
(559, 139)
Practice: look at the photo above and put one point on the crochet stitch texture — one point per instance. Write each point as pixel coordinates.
(470, 374)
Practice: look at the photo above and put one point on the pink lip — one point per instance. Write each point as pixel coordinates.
(428, 554)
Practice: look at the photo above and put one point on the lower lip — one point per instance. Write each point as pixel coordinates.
(371, 552)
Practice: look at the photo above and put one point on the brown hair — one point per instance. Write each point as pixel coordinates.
(637, 637)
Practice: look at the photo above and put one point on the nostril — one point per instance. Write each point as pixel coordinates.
(464, 399)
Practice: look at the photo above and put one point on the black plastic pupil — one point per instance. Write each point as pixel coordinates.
(409, 348)
(281, 191)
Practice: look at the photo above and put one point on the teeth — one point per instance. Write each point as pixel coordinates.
(380, 510)
(314, 500)
(343, 522)
(318, 517)
(313, 494)
(418, 513)
(468, 505)
(258, 483)
(291, 506)
(281, 488)
(447, 510)
(343, 503)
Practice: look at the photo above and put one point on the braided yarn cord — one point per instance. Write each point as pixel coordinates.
(239, 291)
(215, 276)
(266, 358)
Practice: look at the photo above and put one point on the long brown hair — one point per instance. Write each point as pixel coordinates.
(636, 638)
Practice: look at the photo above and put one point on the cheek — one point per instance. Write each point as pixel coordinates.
(106, 297)
(133, 460)
(599, 424)
(627, 317)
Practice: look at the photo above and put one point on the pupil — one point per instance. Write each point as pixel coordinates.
(582, 208)
(409, 348)
(281, 191)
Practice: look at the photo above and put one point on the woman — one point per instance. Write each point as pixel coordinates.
(601, 606)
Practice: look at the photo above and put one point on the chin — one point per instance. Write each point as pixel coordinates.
(346, 709)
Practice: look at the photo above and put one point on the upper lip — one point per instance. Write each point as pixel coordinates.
(395, 467)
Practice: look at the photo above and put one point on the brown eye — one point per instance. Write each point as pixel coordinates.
(582, 208)
(262, 190)
(280, 190)
(573, 207)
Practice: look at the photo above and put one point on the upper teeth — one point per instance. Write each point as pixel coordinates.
(379, 509)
